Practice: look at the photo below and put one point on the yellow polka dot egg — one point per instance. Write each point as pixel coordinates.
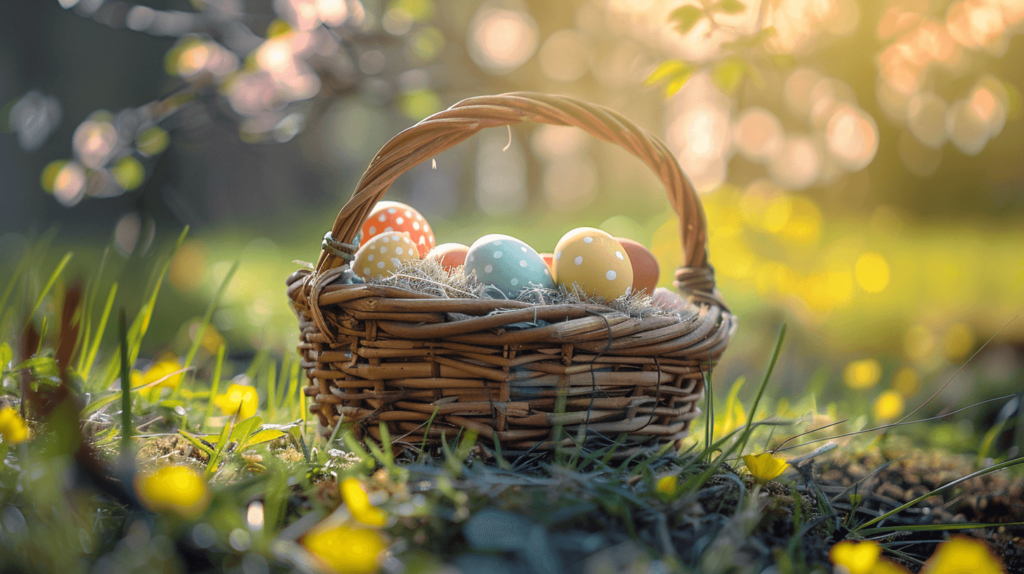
(591, 262)
(384, 254)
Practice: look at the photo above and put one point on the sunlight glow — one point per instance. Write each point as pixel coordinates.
(501, 40)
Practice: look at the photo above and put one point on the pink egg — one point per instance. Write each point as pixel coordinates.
(390, 216)
(646, 271)
(668, 299)
(449, 255)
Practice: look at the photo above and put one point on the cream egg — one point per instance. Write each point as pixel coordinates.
(384, 254)
(591, 262)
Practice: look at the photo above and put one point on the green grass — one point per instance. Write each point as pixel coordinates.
(272, 477)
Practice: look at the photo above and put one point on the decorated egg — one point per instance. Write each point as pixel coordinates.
(668, 299)
(384, 254)
(646, 271)
(508, 264)
(449, 255)
(549, 259)
(394, 216)
(592, 262)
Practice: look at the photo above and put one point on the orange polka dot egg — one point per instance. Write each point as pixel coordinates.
(384, 254)
(388, 216)
(591, 262)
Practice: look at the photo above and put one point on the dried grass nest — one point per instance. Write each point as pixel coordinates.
(430, 278)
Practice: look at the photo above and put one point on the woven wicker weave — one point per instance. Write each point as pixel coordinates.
(375, 353)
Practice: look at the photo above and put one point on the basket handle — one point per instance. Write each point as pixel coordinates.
(444, 129)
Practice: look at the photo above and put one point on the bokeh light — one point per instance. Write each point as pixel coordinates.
(872, 272)
(69, 184)
(862, 374)
(852, 138)
(563, 57)
(500, 39)
(758, 134)
(798, 164)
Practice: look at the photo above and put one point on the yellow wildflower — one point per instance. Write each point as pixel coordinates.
(962, 554)
(358, 503)
(862, 374)
(667, 486)
(862, 558)
(765, 466)
(240, 399)
(12, 427)
(166, 370)
(174, 488)
(888, 406)
(345, 549)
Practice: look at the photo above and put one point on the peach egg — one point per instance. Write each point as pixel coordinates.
(390, 216)
(384, 254)
(645, 266)
(592, 262)
(549, 259)
(449, 255)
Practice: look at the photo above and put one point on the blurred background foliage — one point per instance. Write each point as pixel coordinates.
(859, 162)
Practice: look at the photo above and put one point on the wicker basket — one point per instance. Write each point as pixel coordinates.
(375, 353)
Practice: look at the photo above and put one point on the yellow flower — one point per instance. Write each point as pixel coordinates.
(667, 486)
(862, 558)
(888, 406)
(358, 503)
(862, 374)
(239, 399)
(12, 427)
(165, 370)
(961, 555)
(345, 549)
(174, 488)
(765, 466)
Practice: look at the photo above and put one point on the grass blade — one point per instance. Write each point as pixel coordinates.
(935, 527)
(214, 383)
(49, 284)
(90, 356)
(126, 395)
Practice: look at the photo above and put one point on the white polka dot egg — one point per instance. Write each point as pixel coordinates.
(592, 262)
(384, 254)
(508, 264)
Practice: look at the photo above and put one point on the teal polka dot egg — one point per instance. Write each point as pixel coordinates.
(508, 264)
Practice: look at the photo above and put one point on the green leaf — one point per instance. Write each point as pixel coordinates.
(47, 364)
(244, 428)
(674, 73)
(730, 6)
(263, 436)
(666, 70)
(686, 17)
(728, 74)
(198, 442)
(222, 441)
(5, 356)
